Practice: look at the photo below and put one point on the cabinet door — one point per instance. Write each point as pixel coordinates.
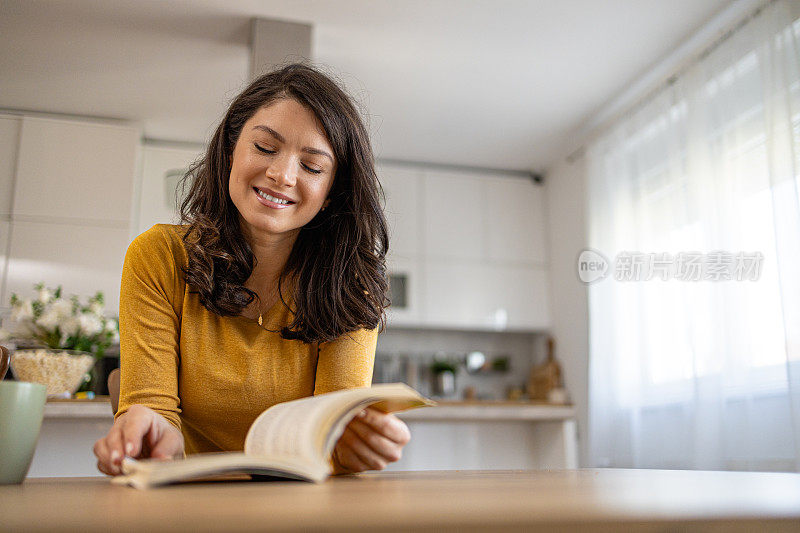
(454, 214)
(83, 259)
(79, 170)
(485, 297)
(162, 169)
(517, 297)
(401, 187)
(9, 143)
(454, 295)
(515, 222)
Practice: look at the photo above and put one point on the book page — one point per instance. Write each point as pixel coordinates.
(310, 427)
(144, 473)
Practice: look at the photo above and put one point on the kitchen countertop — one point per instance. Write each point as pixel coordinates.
(446, 410)
(577, 500)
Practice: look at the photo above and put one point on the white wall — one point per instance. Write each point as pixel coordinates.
(566, 216)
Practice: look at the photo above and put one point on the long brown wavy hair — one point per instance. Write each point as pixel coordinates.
(337, 264)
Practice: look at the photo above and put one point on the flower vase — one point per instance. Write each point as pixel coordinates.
(91, 380)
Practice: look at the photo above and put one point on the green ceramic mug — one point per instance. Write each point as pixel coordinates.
(21, 412)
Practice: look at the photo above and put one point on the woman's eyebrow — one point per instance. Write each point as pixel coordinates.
(269, 130)
(317, 151)
(280, 138)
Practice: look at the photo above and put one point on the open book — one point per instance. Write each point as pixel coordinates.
(289, 440)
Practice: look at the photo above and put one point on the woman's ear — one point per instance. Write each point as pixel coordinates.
(324, 205)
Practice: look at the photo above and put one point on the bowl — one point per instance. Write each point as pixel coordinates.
(61, 371)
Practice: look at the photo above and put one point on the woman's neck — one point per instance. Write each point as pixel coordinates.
(271, 253)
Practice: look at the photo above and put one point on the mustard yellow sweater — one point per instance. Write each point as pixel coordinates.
(208, 375)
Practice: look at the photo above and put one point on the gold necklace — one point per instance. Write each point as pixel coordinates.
(261, 317)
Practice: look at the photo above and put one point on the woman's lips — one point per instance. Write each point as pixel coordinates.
(272, 201)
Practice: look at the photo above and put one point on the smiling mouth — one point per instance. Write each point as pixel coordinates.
(270, 198)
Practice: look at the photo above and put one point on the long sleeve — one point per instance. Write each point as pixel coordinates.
(149, 321)
(347, 362)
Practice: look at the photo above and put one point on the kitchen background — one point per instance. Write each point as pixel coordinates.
(479, 114)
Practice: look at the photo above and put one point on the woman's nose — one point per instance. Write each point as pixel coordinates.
(282, 171)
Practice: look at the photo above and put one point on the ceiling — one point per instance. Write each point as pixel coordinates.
(501, 83)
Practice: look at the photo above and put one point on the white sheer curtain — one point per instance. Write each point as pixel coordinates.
(702, 374)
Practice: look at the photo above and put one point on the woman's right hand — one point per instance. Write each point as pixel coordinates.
(140, 432)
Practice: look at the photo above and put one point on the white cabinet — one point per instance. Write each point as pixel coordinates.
(81, 258)
(517, 297)
(9, 143)
(455, 295)
(401, 188)
(402, 193)
(467, 248)
(78, 170)
(485, 296)
(162, 169)
(515, 220)
(454, 216)
(66, 189)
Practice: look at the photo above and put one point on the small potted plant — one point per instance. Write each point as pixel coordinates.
(444, 377)
(66, 338)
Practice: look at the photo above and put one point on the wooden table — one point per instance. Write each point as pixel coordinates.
(569, 500)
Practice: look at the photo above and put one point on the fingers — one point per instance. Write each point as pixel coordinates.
(124, 438)
(348, 460)
(371, 440)
(385, 424)
(390, 450)
(103, 457)
(102, 468)
(356, 455)
(132, 434)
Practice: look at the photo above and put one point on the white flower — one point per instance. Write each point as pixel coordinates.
(62, 307)
(111, 325)
(70, 326)
(23, 310)
(90, 324)
(45, 294)
(115, 338)
(97, 308)
(49, 319)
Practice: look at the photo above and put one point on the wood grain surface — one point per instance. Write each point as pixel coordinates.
(575, 500)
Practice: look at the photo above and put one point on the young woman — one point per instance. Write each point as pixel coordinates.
(272, 289)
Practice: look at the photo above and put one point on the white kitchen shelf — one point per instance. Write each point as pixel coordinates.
(491, 412)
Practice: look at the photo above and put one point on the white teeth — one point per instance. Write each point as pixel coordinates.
(271, 198)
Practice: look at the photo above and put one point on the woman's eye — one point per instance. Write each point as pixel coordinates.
(262, 149)
(312, 170)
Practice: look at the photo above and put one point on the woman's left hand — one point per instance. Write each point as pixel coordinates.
(370, 441)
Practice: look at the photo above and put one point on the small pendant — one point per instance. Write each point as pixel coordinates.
(260, 320)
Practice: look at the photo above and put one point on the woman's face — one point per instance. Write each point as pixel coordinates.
(282, 171)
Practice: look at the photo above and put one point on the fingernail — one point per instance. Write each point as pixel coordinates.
(128, 448)
(114, 456)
